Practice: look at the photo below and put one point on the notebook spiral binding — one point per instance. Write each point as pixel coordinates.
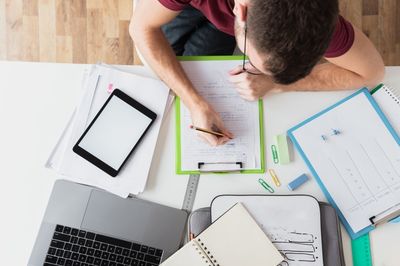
(393, 93)
(206, 255)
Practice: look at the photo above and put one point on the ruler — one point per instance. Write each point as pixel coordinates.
(190, 194)
(361, 249)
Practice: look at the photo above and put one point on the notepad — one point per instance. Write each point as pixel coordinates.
(354, 154)
(388, 99)
(291, 222)
(243, 118)
(235, 239)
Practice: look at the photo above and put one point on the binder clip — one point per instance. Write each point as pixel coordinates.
(220, 167)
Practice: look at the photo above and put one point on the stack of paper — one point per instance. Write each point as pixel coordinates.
(97, 86)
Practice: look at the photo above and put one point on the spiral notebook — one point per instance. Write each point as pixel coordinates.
(235, 239)
(388, 99)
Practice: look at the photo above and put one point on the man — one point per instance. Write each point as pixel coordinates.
(283, 39)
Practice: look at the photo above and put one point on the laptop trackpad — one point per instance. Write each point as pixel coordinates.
(134, 220)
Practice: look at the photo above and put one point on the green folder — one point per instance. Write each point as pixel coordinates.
(178, 165)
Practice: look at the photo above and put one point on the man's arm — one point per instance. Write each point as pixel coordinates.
(145, 29)
(361, 66)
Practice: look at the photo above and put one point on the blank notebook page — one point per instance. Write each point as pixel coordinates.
(190, 254)
(235, 239)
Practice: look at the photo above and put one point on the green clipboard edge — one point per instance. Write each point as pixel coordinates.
(178, 156)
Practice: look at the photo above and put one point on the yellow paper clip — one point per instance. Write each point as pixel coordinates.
(274, 177)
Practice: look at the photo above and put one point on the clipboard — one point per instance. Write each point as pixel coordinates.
(237, 165)
(385, 215)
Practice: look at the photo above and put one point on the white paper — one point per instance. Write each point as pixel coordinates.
(210, 78)
(360, 167)
(132, 179)
(292, 223)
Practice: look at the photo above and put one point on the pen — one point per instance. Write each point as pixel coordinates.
(265, 185)
(274, 177)
(208, 131)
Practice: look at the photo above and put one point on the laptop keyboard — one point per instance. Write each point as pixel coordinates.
(74, 247)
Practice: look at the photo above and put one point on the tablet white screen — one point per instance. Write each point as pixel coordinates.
(115, 132)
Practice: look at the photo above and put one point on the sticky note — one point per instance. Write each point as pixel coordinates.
(110, 88)
(283, 149)
(297, 182)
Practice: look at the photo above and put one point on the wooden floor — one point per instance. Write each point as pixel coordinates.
(88, 31)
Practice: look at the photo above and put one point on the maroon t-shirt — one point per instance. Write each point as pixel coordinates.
(219, 13)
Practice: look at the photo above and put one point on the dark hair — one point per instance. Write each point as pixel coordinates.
(293, 34)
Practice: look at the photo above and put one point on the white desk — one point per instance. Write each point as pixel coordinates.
(36, 101)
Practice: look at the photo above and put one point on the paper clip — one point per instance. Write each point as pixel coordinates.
(274, 177)
(265, 185)
(274, 154)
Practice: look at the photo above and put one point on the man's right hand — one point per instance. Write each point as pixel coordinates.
(158, 53)
(204, 116)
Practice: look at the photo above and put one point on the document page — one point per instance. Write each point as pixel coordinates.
(241, 117)
(359, 165)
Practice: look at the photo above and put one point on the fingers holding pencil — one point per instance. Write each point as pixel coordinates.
(210, 126)
(215, 136)
(214, 132)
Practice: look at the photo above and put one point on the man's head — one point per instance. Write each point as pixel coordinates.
(285, 38)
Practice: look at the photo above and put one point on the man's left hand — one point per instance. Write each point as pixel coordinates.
(251, 87)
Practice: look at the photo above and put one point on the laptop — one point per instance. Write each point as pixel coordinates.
(83, 225)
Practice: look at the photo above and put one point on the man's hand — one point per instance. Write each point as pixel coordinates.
(204, 116)
(251, 87)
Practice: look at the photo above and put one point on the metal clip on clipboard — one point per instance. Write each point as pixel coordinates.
(220, 167)
(385, 216)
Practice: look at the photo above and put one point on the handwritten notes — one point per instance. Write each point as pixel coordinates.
(241, 117)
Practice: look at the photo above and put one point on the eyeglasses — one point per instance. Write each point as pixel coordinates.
(247, 65)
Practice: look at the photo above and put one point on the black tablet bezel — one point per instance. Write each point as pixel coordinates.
(96, 161)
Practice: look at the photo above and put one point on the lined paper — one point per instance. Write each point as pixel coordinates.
(210, 78)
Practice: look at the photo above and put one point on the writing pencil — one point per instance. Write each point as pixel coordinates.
(207, 131)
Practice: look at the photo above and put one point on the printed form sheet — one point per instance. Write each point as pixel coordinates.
(292, 223)
(241, 117)
(359, 166)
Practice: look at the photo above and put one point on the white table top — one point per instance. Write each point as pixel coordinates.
(38, 98)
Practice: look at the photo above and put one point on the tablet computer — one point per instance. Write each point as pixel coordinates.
(115, 132)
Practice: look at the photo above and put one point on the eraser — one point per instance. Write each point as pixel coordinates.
(297, 182)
